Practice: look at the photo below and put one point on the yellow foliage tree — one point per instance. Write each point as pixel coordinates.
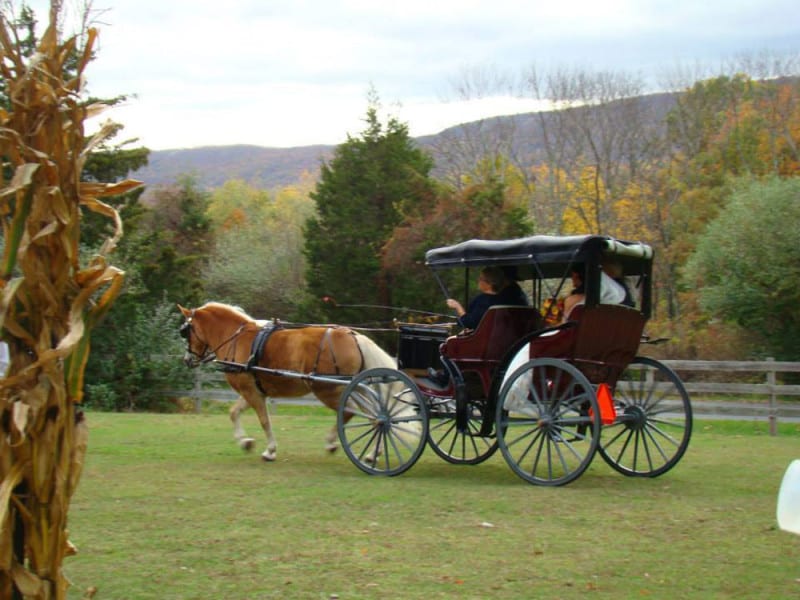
(588, 200)
(48, 301)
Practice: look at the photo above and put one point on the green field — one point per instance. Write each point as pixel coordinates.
(170, 508)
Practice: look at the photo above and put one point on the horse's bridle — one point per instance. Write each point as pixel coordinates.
(208, 354)
(186, 333)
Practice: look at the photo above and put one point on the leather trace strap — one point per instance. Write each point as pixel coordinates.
(326, 342)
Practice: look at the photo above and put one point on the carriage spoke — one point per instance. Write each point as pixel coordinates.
(454, 444)
(538, 440)
(654, 421)
(362, 405)
(386, 404)
(550, 438)
(372, 434)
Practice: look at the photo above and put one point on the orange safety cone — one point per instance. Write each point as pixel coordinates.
(606, 403)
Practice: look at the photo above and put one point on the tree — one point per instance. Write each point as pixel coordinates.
(602, 134)
(360, 198)
(482, 211)
(112, 162)
(258, 260)
(722, 127)
(164, 255)
(745, 264)
(51, 300)
(483, 150)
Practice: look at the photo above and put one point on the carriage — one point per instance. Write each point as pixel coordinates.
(548, 394)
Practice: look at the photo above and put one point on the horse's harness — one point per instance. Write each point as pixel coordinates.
(258, 346)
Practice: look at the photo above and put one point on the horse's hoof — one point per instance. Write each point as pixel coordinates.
(268, 456)
(331, 448)
(247, 444)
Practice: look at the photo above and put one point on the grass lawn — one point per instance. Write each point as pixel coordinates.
(170, 508)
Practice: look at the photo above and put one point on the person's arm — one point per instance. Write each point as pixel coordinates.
(456, 306)
(475, 311)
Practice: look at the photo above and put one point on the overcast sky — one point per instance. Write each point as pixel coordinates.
(297, 72)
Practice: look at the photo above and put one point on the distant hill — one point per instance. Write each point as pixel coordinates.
(270, 168)
(212, 166)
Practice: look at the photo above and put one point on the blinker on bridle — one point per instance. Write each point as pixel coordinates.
(186, 333)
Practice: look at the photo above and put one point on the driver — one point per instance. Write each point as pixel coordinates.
(495, 289)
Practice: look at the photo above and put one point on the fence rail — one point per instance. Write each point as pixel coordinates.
(768, 405)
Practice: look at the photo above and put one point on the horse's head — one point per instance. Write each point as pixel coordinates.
(198, 351)
(209, 329)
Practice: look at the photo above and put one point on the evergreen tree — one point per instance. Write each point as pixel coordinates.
(361, 197)
(164, 257)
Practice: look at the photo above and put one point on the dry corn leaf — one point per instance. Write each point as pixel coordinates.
(79, 447)
(20, 417)
(29, 584)
(21, 179)
(10, 481)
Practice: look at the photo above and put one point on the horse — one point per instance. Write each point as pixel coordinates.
(295, 357)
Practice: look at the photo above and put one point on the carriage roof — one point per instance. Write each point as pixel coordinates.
(547, 255)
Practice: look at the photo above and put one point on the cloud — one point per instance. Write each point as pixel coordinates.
(296, 72)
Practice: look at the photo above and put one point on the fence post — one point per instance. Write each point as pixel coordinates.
(773, 409)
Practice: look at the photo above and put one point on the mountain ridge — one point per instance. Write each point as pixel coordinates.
(266, 167)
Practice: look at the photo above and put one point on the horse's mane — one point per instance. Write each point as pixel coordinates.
(228, 308)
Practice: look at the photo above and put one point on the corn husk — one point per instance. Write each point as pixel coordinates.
(48, 302)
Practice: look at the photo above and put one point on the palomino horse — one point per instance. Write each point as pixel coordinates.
(225, 333)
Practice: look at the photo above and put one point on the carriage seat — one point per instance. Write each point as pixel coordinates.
(483, 348)
(601, 341)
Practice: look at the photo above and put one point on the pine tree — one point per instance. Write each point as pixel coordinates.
(361, 196)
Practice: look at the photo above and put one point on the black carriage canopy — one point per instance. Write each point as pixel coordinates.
(542, 256)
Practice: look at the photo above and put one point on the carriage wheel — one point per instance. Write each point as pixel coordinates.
(548, 422)
(454, 446)
(654, 420)
(382, 421)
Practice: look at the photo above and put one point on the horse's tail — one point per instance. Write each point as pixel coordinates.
(374, 355)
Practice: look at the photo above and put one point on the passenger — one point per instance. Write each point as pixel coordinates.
(614, 270)
(495, 289)
(577, 295)
(611, 292)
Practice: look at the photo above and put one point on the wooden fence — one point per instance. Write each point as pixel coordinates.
(762, 397)
(771, 390)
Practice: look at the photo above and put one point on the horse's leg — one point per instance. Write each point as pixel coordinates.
(262, 411)
(332, 440)
(245, 442)
(245, 384)
(331, 400)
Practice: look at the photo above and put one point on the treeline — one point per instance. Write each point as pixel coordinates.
(712, 185)
(710, 180)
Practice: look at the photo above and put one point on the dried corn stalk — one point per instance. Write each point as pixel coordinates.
(48, 304)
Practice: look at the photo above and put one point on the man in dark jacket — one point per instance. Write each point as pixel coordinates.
(495, 290)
